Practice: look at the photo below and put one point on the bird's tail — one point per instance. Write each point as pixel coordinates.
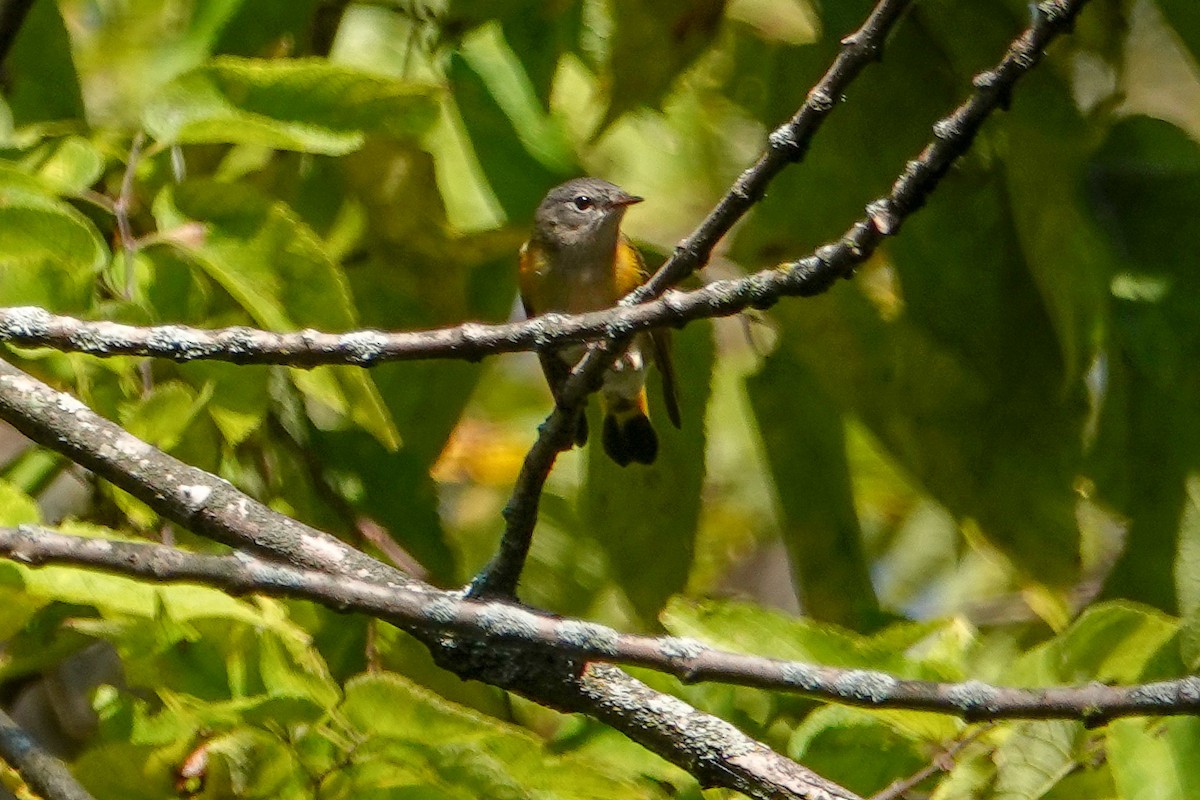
(628, 435)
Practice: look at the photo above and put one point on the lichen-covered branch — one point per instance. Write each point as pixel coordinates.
(212, 507)
(193, 498)
(496, 626)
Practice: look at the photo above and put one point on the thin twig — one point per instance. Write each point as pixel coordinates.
(942, 762)
(121, 208)
(363, 527)
(497, 626)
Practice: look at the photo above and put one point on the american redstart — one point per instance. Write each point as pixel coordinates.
(577, 260)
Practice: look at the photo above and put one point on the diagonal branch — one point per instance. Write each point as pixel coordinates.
(952, 136)
(787, 144)
(697, 742)
(201, 502)
(495, 625)
(942, 762)
(42, 772)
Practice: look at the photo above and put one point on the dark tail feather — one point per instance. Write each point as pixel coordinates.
(581, 430)
(661, 339)
(630, 439)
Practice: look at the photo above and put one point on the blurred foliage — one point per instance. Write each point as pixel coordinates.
(943, 463)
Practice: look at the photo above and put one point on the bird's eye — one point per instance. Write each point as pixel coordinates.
(582, 202)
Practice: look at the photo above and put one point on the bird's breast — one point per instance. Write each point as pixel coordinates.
(576, 283)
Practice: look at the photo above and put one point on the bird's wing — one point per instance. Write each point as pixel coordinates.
(527, 279)
(631, 273)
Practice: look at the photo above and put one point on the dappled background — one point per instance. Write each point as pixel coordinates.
(993, 425)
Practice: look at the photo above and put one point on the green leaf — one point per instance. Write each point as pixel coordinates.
(1066, 254)
(494, 61)
(517, 147)
(1034, 757)
(971, 778)
(1145, 179)
(1155, 759)
(802, 432)
(652, 43)
(176, 290)
(70, 164)
(34, 469)
(942, 347)
(238, 395)
(291, 668)
(277, 269)
(163, 415)
(747, 628)
(539, 36)
(261, 27)
(1110, 642)
(645, 517)
(132, 771)
(1184, 17)
(50, 253)
(16, 507)
(41, 81)
(307, 105)
(1186, 575)
(254, 763)
(466, 751)
(832, 739)
(1087, 780)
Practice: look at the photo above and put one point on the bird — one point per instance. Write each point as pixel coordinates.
(577, 260)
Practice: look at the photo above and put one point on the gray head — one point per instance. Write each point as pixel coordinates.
(581, 211)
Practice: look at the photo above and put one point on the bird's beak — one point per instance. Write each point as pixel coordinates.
(622, 200)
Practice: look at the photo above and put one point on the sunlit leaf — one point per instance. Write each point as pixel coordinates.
(832, 739)
(50, 252)
(468, 750)
(744, 627)
(515, 144)
(16, 507)
(1155, 759)
(1035, 756)
(277, 269)
(71, 164)
(1110, 642)
(163, 414)
(311, 106)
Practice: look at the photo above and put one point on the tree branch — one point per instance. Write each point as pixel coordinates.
(491, 626)
(42, 772)
(201, 502)
(692, 740)
(788, 143)
(952, 136)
